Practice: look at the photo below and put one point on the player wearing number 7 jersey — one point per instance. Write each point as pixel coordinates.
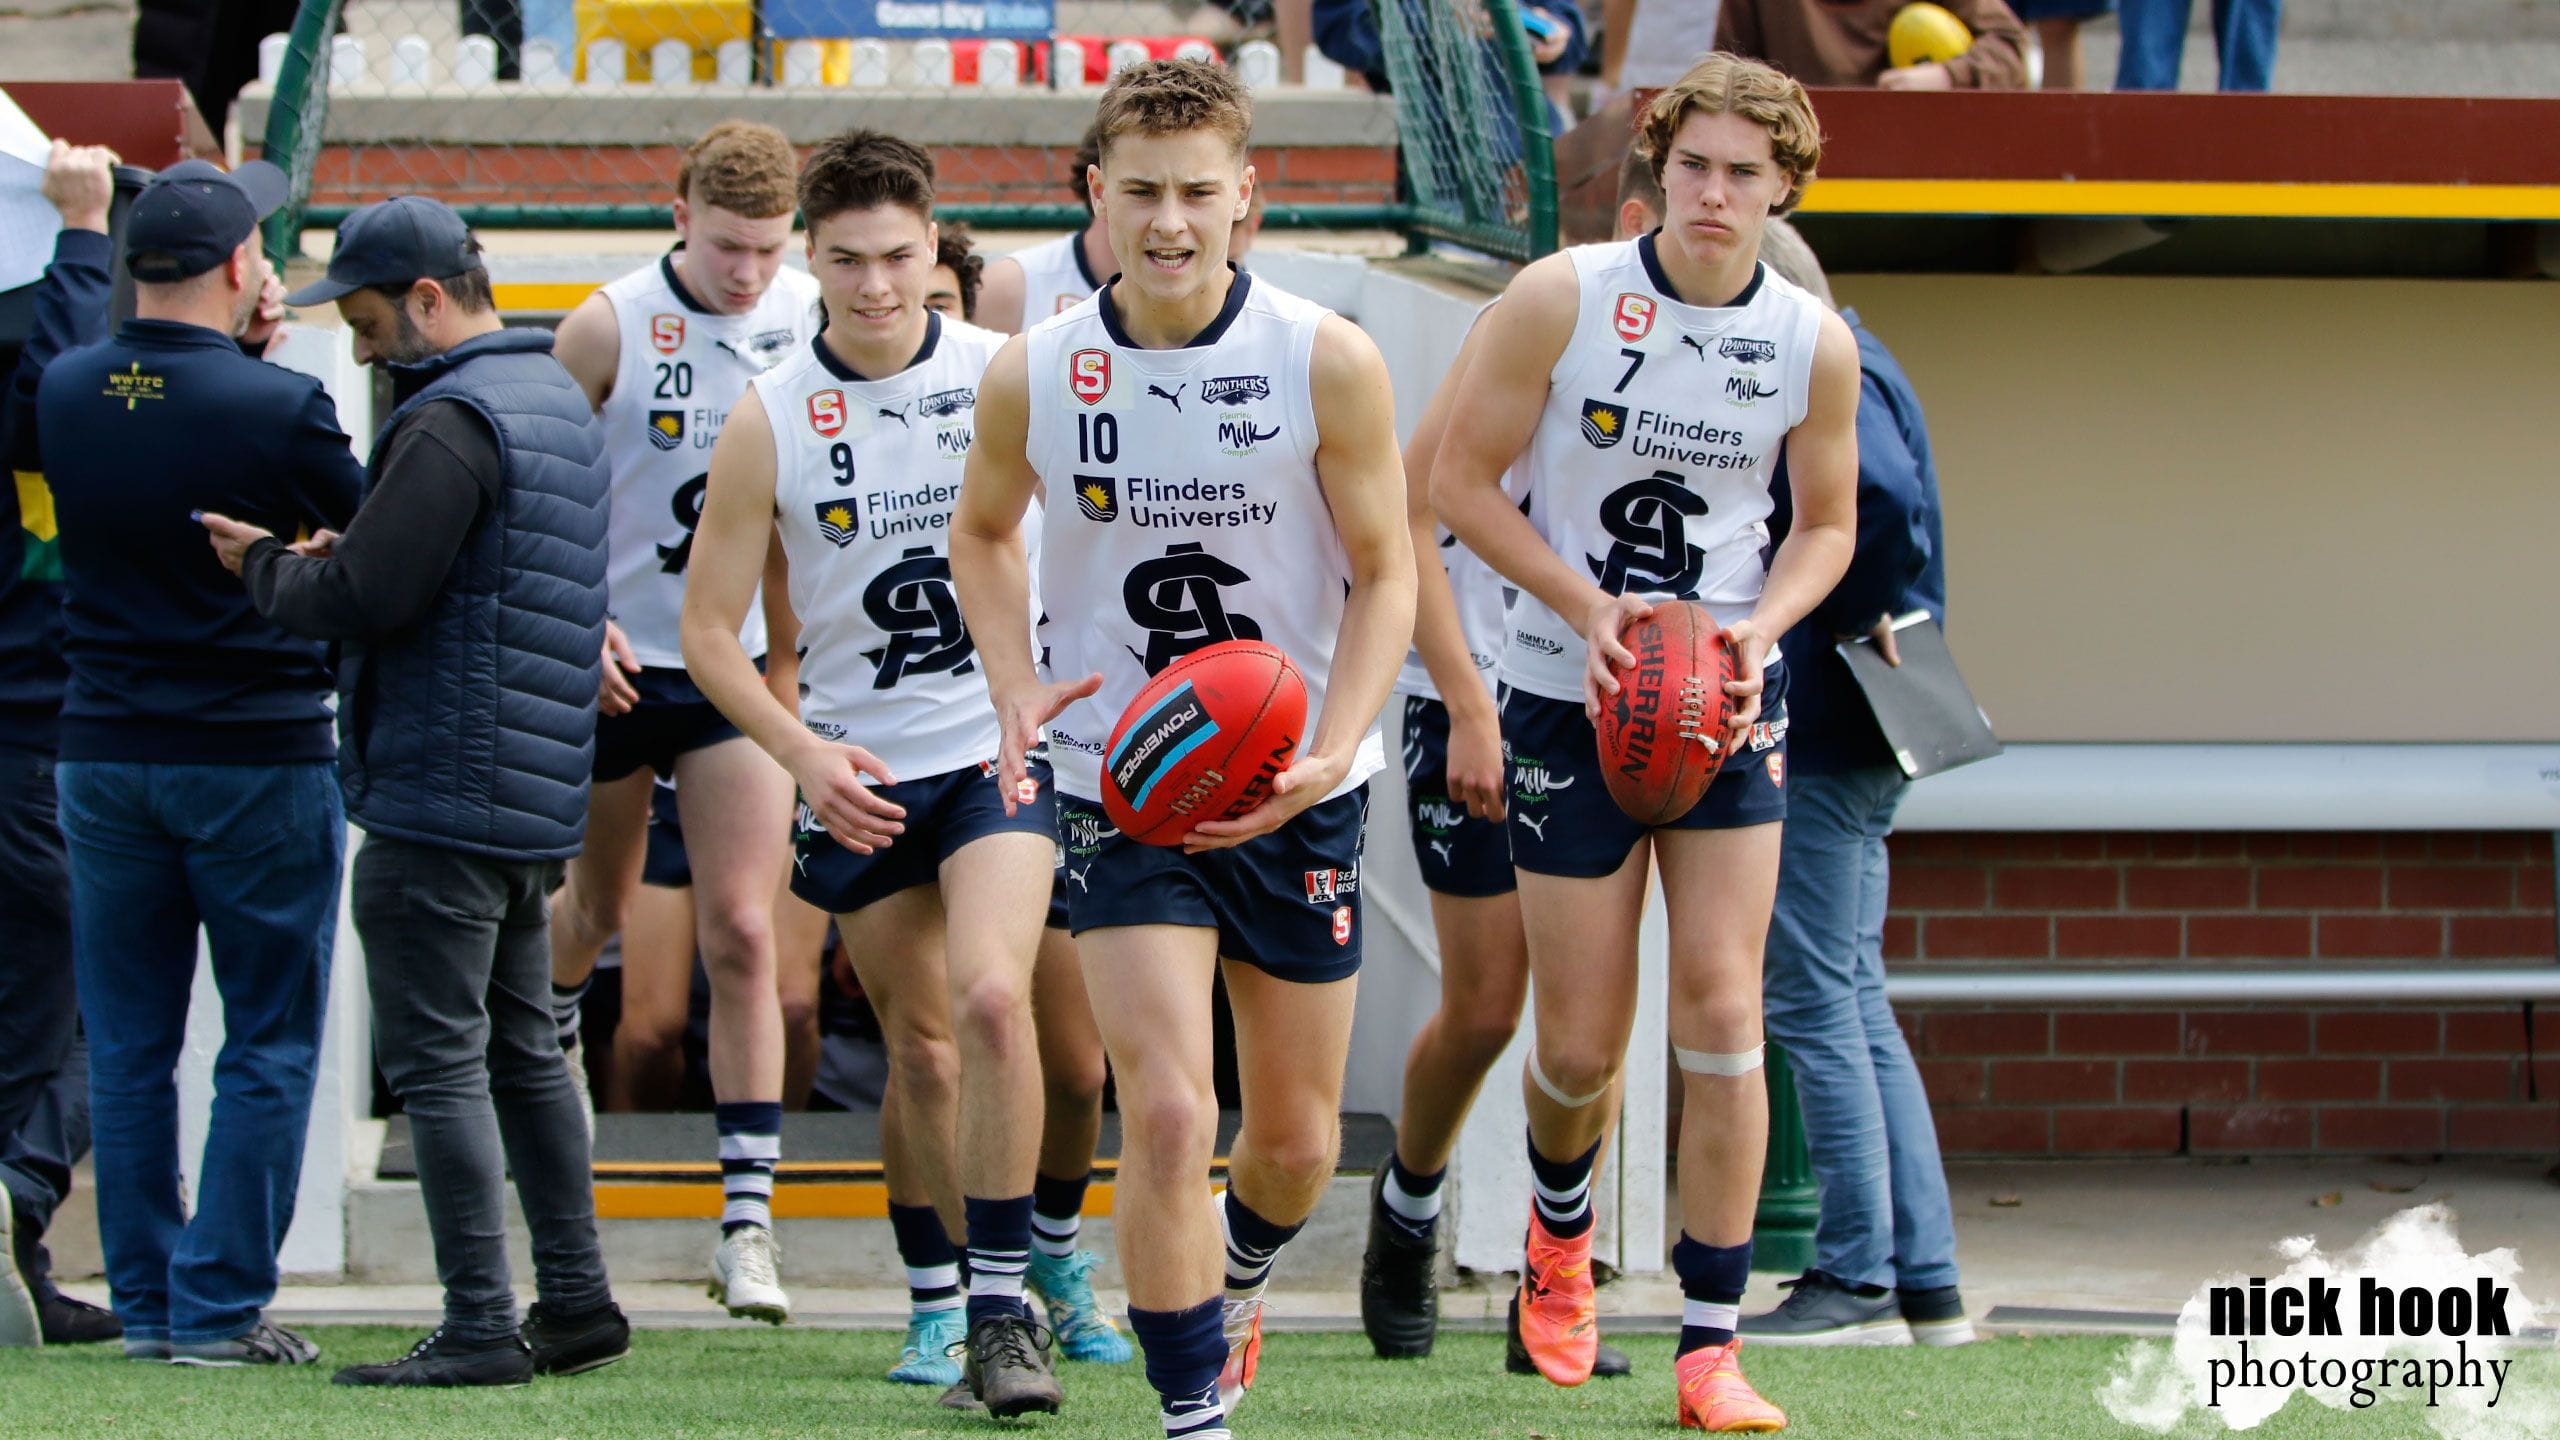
(663, 353)
(1220, 463)
(1647, 387)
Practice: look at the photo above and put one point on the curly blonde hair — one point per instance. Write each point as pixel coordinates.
(1722, 84)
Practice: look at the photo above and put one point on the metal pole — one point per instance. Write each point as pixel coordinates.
(1782, 1229)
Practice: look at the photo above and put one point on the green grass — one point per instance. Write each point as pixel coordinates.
(736, 1383)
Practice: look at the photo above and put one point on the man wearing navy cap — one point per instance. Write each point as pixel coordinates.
(195, 775)
(468, 601)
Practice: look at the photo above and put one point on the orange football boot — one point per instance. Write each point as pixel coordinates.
(1243, 1323)
(1559, 1308)
(1715, 1398)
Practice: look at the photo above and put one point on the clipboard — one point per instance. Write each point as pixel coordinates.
(1929, 718)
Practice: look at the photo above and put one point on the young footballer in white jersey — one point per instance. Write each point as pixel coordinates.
(1454, 773)
(663, 352)
(1180, 378)
(1033, 283)
(1646, 388)
(937, 872)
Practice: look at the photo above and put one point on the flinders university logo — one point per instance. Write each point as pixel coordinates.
(666, 428)
(836, 521)
(1098, 496)
(1603, 424)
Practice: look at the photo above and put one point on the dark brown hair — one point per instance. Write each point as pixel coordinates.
(1088, 154)
(861, 169)
(956, 248)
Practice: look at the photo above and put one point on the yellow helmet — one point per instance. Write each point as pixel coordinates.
(1922, 33)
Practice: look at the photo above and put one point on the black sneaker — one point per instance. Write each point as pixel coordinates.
(1821, 1310)
(575, 1343)
(1399, 1282)
(1008, 1369)
(1609, 1363)
(447, 1359)
(1936, 1316)
(76, 1322)
(265, 1343)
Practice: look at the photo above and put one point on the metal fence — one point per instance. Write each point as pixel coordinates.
(570, 113)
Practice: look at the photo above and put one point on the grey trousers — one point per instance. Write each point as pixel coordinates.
(457, 948)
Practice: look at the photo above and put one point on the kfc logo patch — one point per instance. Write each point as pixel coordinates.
(1634, 318)
(1089, 375)
(666, 333)
(826, 412)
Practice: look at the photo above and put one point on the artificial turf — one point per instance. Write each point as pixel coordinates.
(739, 1383)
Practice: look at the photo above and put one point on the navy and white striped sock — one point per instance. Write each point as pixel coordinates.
(1185, 1350)
(1711, 1281)
(932, 1265)
(1564, 1190)
(567, 1006)
(1057, 1214)
(1253, 1243)
(999, 1253)
(750, 1146)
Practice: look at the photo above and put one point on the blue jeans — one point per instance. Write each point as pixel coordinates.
(2153, 37)
(1885, 1217)
(250, 853)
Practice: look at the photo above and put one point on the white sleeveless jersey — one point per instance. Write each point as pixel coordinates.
(1055, 278)
(1482, 594)
(682, 367)
(1183, 509)
(865, 476)
(1652, 461)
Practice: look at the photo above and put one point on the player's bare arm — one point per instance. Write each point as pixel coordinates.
(781, 624)
(991, 568)
(1362, 473)
(588, 345)
(729, 550)
(1822, 463)
(1523, 337)
(1475, 725)
(1000, 292)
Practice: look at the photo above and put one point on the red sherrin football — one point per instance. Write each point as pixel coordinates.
(1203, 740)
(1660, 736)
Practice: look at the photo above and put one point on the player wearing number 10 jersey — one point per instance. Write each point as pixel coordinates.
(1220, 463)
(1647, 387)
(664, 352)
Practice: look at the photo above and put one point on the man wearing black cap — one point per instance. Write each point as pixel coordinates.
(195, 779)
(468, 599)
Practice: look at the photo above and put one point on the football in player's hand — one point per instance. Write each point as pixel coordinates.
(1662, 734)
(1203, 741)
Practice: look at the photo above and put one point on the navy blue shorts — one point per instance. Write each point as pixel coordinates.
(668, 867)
(1562, 819)
(1286, 903)
(1460, 854)
(944, 812)
(672, 718)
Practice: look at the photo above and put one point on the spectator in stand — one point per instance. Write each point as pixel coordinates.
(2155, 42)
(2057, 24)
(1821, 42)
(1884, 1246)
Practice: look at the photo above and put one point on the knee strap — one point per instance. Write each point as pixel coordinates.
(1555, 1092)
(1708, 1062)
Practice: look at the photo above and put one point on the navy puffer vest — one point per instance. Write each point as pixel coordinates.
(474, 729)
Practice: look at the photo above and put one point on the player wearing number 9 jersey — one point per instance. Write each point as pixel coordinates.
(663, 353)
(1647, 387)
(1220, 463)
(938, 877)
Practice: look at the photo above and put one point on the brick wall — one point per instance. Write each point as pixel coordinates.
(463, 174)
(2266, 1080)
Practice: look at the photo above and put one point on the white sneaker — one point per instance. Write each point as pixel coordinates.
(746, 1275)
(20, 1327)
(575, 1052)
(1243, 1318)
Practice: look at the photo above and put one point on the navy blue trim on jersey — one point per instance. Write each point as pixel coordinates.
(1460, 855)
(944, 813)
(1562, 819)
(673, 718)
(1286, 903)
(1661, 278)
(1241, 283)
(1084, 267)
(834, 363)
(675, 283)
